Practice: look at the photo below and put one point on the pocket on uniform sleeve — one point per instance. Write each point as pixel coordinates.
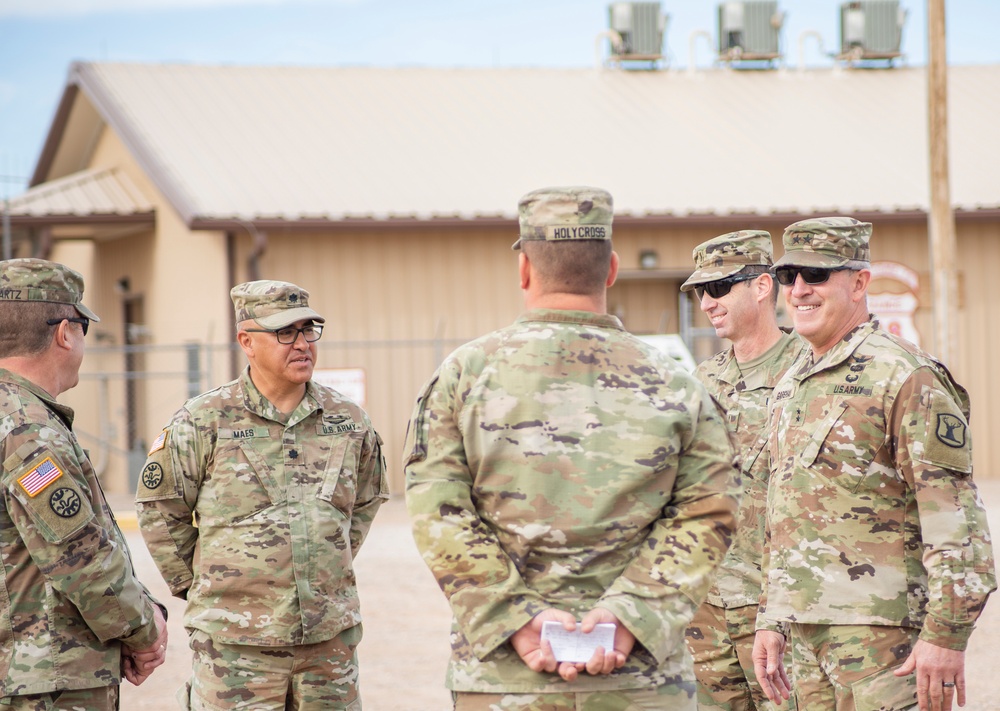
(418, 427)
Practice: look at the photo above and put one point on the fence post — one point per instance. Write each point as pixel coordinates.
(193, 368)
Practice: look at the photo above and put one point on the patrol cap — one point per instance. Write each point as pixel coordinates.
(826, 242)
(272, 304)
(565, 213)
(41, 280)
(727, 254)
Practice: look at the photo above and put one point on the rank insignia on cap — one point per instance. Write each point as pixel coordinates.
(159, 443)
(40, 477)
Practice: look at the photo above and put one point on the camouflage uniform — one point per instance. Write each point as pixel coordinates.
(561, 462)
(721, 635)
(71, 598)
(256, 516)
(876, 530)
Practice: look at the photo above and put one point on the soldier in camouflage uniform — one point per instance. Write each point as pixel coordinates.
(878, 558)
(74, 617)
(738, 295)
(561, 469)
(254, 501)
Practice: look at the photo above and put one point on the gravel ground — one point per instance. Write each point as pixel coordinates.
(405, 647)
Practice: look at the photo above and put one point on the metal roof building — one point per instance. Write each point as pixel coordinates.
(391, 194)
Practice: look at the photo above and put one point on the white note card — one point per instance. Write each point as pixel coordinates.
(576, 646)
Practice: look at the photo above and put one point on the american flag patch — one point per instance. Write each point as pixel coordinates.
(158, 443)
(41, 476)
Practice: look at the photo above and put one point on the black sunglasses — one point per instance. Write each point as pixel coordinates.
(84, 322)
(719, 288)
(810, 275)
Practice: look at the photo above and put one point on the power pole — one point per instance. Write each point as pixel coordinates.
(6, 229)
(941, 220)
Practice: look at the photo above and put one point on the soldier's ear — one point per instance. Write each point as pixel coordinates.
(524, 269)
(860, 283)
(764, 283)
(612, 270)
(245, 341)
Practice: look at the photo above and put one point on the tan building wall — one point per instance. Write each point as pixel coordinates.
(389, 294)
(171, 284)
(398, 299)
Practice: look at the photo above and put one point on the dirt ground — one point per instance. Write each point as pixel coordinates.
(405, 646)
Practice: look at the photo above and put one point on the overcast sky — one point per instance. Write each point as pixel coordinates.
(39, 39)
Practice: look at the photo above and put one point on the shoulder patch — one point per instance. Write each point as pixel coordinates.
(152, 475)
(159, 443)
(946, 438)
(950, 430)
(40, 477)
(65, 502)
(60, 506)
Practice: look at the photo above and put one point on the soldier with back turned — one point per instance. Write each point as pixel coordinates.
(562, 470)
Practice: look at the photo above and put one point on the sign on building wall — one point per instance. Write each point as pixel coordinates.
(893, 298)
(347, 381)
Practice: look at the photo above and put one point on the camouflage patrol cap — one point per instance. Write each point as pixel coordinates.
(565, 213)
(727, 254)
(41, 280)
(272, 304)
(826, 242)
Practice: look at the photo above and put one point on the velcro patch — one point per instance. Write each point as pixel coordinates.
(152, 475)
(946, 439)
(159, 443)
(61, 507)
(950, 430)
(65, 502)
(36, 480)
(329, 429)
(244, 433)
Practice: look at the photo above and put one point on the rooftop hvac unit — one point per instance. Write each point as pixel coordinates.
(749, 30)
(640, 26)
(871, 29)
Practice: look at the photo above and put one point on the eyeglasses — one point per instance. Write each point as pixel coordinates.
(720, 287)
(84, 322)
(288, 336)
(810, 275)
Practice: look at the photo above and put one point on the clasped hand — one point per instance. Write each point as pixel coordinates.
(539, 657)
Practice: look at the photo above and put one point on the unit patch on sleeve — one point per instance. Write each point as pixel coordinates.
(950, 430)
(35, 481)
(152, 475)
(946, 437)
(65, 502)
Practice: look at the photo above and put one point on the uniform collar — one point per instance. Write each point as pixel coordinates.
(259, 405)
(586, 318)
(64, 412)
(841, 351)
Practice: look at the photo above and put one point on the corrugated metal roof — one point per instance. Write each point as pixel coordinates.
(101, 192)
(337, 143)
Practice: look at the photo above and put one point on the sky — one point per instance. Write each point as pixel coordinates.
(40, 38)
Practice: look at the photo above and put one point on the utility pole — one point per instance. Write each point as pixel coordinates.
(941, 220)
(6, 229)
